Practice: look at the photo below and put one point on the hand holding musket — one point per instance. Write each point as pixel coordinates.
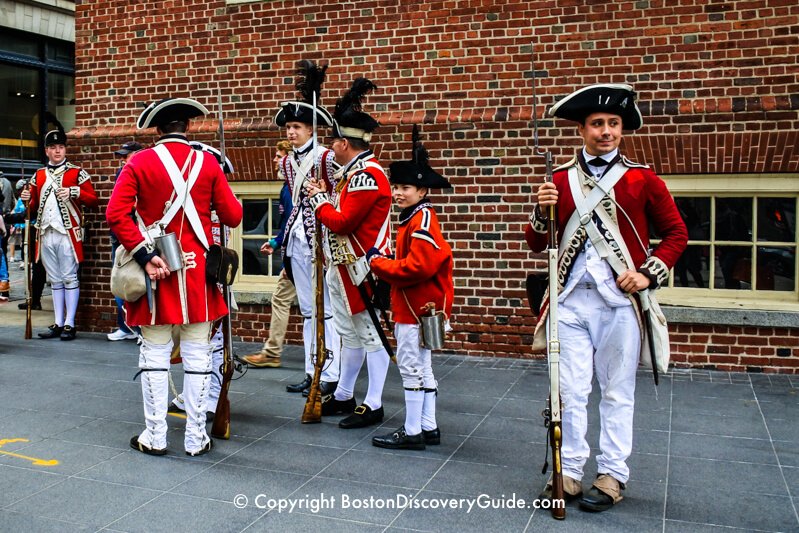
(548, 198)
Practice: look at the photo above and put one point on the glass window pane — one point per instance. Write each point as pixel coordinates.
(276, 214)
(20, 44)
(776, 219)
(733, 268)
(693, 269)
(253, 262)
(776, 269)
(695, 212)
(256, 217)
(21, 102)
(61, 98)
(61, 51)
(734, 219)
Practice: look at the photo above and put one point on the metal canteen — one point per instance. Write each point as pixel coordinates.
(432, 331)
(170, 251)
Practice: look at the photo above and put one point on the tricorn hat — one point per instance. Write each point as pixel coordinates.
(614, 98)
(169, 110)
(308, 82)
(57, 135)
(349, 121)
(227, 167)
(417, 171)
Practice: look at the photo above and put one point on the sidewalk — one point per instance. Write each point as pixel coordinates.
(713, 452)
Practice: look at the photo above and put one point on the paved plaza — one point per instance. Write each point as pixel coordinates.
(712, 452)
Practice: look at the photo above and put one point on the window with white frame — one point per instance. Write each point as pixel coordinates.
(260, 223)
(742, 242)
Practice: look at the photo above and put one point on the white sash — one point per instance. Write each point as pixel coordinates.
(183, 188)
(300, 174)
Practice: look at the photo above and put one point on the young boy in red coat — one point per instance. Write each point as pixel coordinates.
(420, 274)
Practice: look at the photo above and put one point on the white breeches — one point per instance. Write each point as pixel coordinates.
(195, 350)
(356, 331)
(594, 335)
(302, 269)
(58, 259)
(414, 362)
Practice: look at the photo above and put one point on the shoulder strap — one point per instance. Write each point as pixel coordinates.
(183, 188)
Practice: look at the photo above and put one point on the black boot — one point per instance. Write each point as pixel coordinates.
(68, 333)
(301, 386)
(604, 494)
(432, 437)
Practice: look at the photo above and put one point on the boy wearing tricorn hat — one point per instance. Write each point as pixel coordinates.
(299, 167)
(604, 262)
(421, 274)
(357, 219)
(175, 187)
(58, 193)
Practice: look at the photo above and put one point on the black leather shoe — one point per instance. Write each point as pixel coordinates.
(175, 409)
(299, 387)
(136, 445)
(202, 451)
(399, 440)
(432, 437)
(597, 501)
(36, 306)
(53, 332)
(332, 407)
(362, 417)
(209, 417)
(328, 387)
(68, 333)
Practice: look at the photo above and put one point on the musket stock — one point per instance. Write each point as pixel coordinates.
(312, 412)
(26, 250)
(552, 414)
(221, 426)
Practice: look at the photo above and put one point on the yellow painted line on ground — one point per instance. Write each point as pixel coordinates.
(34, 460)
(178, 415)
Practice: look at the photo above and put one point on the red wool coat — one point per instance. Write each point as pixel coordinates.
(361, 208)
(144, 185)
(81, 193)
(422, 269)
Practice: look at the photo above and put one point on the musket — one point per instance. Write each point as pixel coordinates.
(552, 413)
(221, 426)
(312, 412)
(26, 248)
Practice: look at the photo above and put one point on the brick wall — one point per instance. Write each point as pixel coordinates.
(718, 80)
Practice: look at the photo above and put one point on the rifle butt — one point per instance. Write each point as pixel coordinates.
(221, 427)
(312, 412)
(28, 323)
(558, 497)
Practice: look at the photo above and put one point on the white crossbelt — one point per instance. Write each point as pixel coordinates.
(183, 188)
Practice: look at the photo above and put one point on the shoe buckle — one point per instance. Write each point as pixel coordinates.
(361, 409)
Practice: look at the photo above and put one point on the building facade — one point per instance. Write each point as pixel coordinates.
(719, 86)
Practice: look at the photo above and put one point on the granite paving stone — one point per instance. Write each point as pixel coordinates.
(695, 438)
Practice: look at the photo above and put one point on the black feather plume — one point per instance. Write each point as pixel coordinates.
(419, 152)
(351, 101)
(310, 78)
(51, 119)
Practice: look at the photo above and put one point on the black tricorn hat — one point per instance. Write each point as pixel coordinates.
(417, 171)
(349, 121)
(614, 98)
(169, 110)
(57, 135)
(308, 82)
(227, 166)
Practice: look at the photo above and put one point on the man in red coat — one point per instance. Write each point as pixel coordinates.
(604, 261)
(57, 194)
(173, 189)
(356, 220)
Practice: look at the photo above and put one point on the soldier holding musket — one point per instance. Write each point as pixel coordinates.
(357, 219)
(604, 264)
(173, 189)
